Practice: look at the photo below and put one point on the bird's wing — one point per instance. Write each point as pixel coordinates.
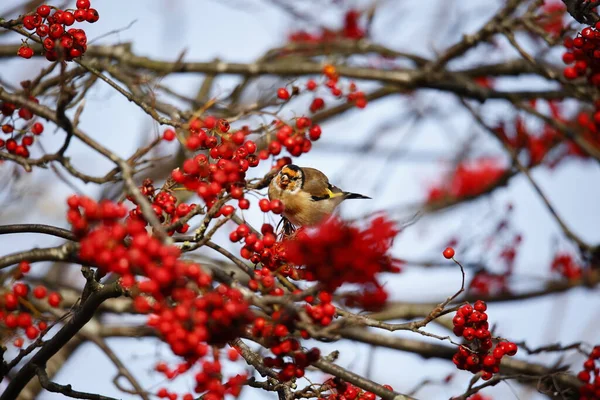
(317, 185)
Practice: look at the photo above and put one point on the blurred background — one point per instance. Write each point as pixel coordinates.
(395, 151)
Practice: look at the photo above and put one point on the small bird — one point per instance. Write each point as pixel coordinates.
(306, 194)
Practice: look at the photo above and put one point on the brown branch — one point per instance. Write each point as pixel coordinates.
(65, 390)
(37, 228)
(65, 252)
(363, 383)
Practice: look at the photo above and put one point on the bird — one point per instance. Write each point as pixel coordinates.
(307, 196)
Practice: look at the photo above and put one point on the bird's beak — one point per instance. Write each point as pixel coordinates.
(284, 181)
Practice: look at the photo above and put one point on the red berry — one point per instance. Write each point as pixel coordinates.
(54, 299)
(223, 125)
(276, 206)
(449, 252)
(480, 306)
(39, 292)
(68, 18)
(20, 289)
(80, 15)
(510, 348)
(227, 210)
(283, 94)
(570, 73)
(83, 4)
(25, 52)
(24, 267)
(28, 22)
(265, 205)
(314, 133)
(43, 10)
(32, 332)
(169, 135)
(584, 376)
(244, 204)
(92, 15)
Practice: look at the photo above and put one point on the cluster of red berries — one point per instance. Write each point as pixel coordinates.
(258, 249)
(583, 52)
(537, 146)
(589, 122)
(350, 30)
(552, 16)
(234, 155)
(294, 140)
(341, 390)
(471, 322)
(485, 283)
(372, 297)
(164, 205)
(323, 312)
(7, 111)
(590, 376)
(215, 317)
(335, 252)
(84, 211)
(470, 178)
(208, 380)
(57, 39)
(16, 315)
(353, 95)
(187, 312)
(290, 359)
(565, 265)
(297, 359)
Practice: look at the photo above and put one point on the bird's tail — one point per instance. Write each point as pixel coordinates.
(348, 195)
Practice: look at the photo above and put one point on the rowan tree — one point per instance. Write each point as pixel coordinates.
(168, 239)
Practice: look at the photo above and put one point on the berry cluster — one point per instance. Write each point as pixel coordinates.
(323, 312)
(335, 253)
(294, 139)
(590, 376)
(290, 359)
(372, 297)
(9, 120)
(351, 30)
(485, 283)
(552, 17)
(185, 310)
(470, 178)
(341, 390)
(234, 155)
(215, 317)
(58, 40)
(16, 309)
(164, 206)
(583, 53)
(266, 249)
(353, 95)
(565, 265)
(208, 380)
(471, 322)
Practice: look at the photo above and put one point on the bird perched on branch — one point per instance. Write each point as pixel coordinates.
(306, 194)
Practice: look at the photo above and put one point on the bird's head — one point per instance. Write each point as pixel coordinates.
(290, 178)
